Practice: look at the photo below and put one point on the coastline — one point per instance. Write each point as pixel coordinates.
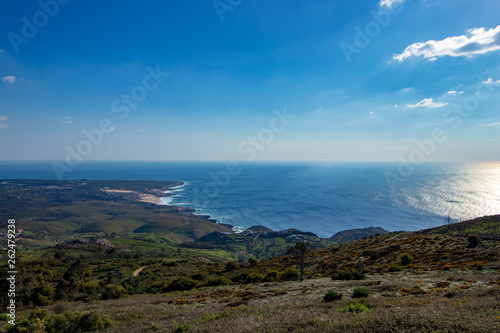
(171, 192)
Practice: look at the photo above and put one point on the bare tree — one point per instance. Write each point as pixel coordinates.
(298, 252)
(448, 220)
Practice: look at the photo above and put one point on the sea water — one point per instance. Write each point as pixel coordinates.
(323, 198)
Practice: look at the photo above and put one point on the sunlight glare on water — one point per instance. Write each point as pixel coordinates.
(468, 191)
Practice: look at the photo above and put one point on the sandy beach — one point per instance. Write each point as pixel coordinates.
(149, 198)
(142, 197)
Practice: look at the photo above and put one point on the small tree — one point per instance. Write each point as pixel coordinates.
(298, 252)
(473, 241)
(252, 262)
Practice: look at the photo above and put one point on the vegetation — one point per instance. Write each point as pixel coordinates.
(484, 227)
(332, 295)
(359, 306)
(348, 275)
(473, 241)
(406, 259)
(360, 292)
(298, 252)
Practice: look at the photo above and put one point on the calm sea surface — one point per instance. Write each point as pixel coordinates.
(322, 198)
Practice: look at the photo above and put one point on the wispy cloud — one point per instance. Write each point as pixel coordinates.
(454, 92)
(427, 103)
(390, 3)
(66, 120)
(490, 81)
(476, 41)
(9, 79)
(408, 89)
(495, 124)
(2, 122)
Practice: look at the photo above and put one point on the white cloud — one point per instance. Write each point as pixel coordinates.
(407, 89)
(3, 118)
(390, 3)
(66, 120)
(495, 124)
(454, 92)
(490, 81)
(9, 79)
(427, 103)
(476, 41)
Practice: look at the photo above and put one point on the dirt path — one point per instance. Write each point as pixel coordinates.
(136, 273)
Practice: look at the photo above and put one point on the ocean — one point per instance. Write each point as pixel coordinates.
(323, 198)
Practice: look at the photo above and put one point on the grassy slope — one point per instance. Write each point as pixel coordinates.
(298, 307)
(447, 287)
(486, 227)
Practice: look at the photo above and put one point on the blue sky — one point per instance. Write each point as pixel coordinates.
(364, 80)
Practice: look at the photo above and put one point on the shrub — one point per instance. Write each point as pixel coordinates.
(231, 266)
(251, 276)
(38, 313)
(36, 326)
(114, 291)
(272, 276)
(90, 287)
(473, 241)
(360, 292)
(181, 284)
(332, 295)
(252, 262)
(291, 274)
(93, 321)
(56, 323)
(394, 268)
(406, 259)
(348, 275)
(359, 306)
(170, 263)
(198, 276)
(218, 281)
(182, 327)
